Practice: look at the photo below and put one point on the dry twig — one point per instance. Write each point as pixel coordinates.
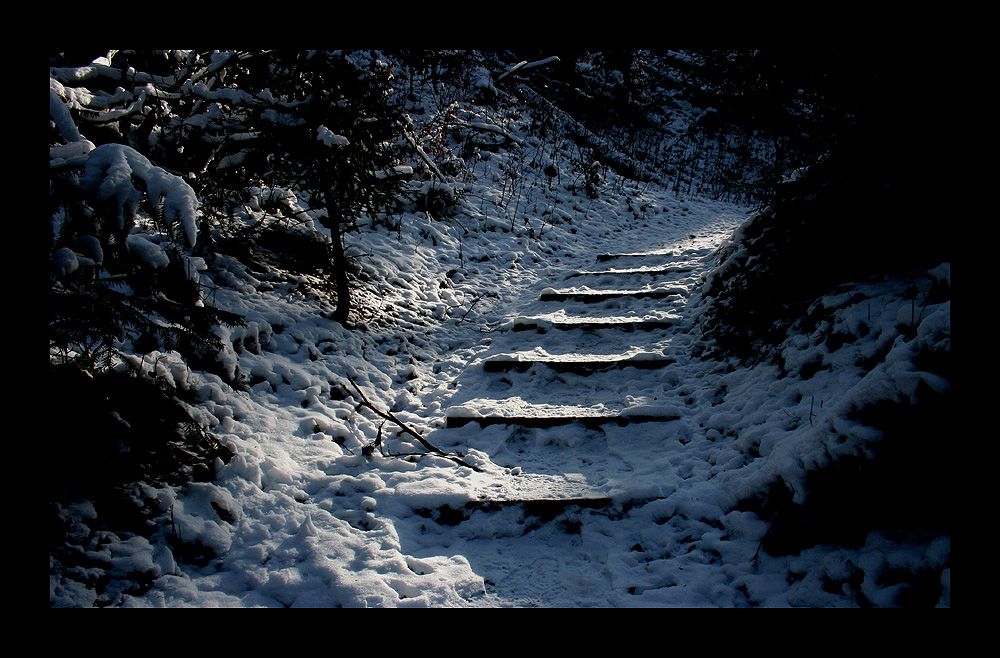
(388, 415)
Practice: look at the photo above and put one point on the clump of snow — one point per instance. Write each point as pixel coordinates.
(330, 138)
(71, 153)
(64, 262)
(110, 170)
(59, 114)
(144, 250)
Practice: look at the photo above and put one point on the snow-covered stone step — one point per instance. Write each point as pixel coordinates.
(579, 363)
(626, 323)
(541, 505)
(552, 295)
(536, 494)
(526, 415)
(590, 421)
(541, 508)
(650, 271)
(603, 258)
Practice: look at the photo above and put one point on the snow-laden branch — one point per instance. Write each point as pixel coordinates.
(491, 128)
(83, 98)
(423, 156)
(525, 65)
(59, 113)
(102, 68)
(110, 170)
(75, 152)
(225, 94)
(97, 107)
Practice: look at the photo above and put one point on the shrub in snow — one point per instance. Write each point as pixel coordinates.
(122, 281)
(112, 171)
(119, 440)
(334, 146)
(120, 267)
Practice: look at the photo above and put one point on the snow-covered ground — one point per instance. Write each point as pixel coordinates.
(305, 515)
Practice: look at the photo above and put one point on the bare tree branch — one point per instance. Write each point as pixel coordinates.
(388, 415)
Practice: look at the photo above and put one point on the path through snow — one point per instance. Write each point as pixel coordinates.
(302, 517)
(625, 480)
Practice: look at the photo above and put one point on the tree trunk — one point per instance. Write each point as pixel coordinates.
(339, 259)
(340, 276)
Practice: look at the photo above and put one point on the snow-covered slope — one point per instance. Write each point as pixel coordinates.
(310, 520)
(325, 503)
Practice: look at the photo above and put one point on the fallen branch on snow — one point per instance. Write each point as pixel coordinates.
(490, 128)
(525, 65)
(388, 415)
(426, 158)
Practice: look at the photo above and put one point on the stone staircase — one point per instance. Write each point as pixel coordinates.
(642, 297)
(586, 363)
